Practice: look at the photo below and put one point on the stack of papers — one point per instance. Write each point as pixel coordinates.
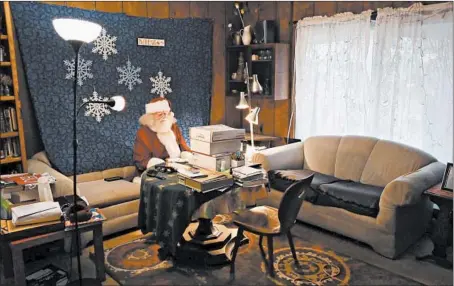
(247, 176)
(245, 173)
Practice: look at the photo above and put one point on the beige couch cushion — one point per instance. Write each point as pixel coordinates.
(101, 194)
(125, 172)
(320, 153)
(389, 160)
(352, 156)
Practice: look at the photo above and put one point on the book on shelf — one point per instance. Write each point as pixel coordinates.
(8, 119)
(10, 147)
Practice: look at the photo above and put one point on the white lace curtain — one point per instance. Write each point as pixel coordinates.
(391, 80)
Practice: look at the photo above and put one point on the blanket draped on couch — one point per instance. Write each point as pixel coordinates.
(107, 142)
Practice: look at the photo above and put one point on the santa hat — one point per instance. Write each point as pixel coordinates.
(157, 105)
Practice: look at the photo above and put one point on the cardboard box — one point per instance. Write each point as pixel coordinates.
(212, 162)
(212, 148)
(214, 133)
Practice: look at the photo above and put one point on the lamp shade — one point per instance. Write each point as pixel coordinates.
(243, 103)
(253, 116)
(76, 30)
(119, 102)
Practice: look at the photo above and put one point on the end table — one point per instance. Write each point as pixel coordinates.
(442, 232)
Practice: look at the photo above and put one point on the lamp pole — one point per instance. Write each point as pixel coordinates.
(76, 47)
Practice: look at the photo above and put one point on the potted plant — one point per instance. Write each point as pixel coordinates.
(237, 159)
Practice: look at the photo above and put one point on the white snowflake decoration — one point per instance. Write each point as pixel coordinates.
(161, 84)
(105, 45)
(129, 75)
(97, 110)
(83, 70)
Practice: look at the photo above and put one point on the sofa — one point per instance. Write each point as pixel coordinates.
(117, 200)
(364, 188)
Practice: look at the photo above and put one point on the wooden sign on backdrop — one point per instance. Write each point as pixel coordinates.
(150, 42)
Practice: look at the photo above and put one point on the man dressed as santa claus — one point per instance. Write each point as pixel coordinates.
(158, 137)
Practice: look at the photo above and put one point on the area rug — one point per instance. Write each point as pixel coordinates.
(137, 263)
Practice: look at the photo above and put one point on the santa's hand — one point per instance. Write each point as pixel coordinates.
(154, 161)
(185, 155)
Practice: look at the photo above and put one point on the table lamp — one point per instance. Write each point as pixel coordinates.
(253, 119)
(243, 103)
(77, 32)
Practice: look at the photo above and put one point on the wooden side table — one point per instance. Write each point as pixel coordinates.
(442, 232)
(19, 245)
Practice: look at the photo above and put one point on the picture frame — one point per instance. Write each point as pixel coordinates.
(447, 183)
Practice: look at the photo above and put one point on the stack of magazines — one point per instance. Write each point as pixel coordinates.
(246, 176)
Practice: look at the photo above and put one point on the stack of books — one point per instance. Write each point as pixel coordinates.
(246, 176)
(213, 145)
(204, 180)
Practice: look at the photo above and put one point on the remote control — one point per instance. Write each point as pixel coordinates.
(116, 178)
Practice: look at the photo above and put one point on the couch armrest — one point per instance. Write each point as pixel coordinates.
(408, 189)
(63, 185)
(289, 156)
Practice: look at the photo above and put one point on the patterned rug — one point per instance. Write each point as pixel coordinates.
(137, 263)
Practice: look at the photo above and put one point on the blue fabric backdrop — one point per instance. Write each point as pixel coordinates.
(186, 58)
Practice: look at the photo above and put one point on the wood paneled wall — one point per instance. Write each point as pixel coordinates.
(274, 115)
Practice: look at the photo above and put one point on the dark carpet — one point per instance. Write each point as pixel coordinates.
(137, 263)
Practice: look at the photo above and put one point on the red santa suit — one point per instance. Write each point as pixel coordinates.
(157, 140)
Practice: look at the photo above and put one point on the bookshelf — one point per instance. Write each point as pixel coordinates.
(13, 157)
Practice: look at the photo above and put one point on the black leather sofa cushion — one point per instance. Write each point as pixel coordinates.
(330, 191)
(354, 197)
(282, 179)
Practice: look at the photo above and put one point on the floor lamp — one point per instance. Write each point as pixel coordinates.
(77, 32)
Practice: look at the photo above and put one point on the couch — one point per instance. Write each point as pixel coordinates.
(364, 188)
(117, 200)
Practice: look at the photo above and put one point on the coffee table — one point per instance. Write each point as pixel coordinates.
(166, 209)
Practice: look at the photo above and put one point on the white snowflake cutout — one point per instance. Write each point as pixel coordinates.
(83, 70)
(97, 110)
(161, 84)
(105, 45)
(129, 75)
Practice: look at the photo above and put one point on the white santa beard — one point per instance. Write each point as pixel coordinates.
(169, 140)
(163, 125)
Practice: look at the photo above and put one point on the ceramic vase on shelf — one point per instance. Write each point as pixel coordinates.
(256, 87)
(246, 36)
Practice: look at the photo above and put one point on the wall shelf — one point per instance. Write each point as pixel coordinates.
(9, 134)
(7, 98)
(13, 142)
(10, 160)
(273, 72)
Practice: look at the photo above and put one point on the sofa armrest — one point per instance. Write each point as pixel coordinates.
(408, 189)
(289, 156)
(63, 185)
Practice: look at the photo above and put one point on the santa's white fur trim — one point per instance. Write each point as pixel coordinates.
(169, 140)
(158, 106)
